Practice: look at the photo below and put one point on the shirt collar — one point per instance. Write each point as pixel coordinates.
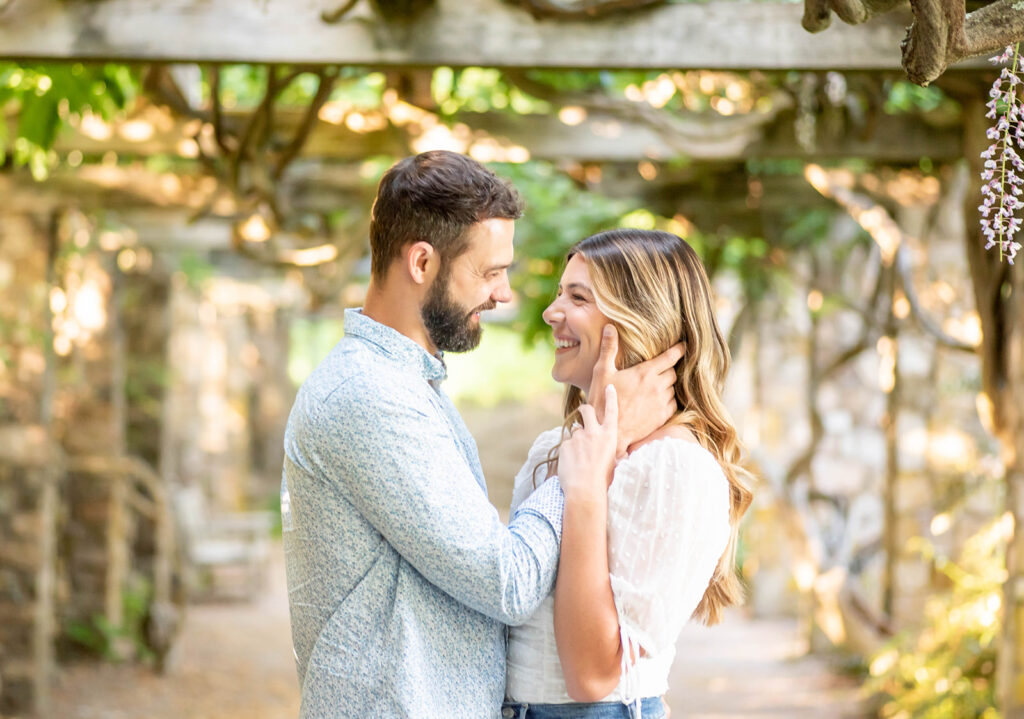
(396, 345)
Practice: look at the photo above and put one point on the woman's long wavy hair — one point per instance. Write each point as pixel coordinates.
(652, 287)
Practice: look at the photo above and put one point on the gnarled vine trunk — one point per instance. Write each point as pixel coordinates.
(999, 293)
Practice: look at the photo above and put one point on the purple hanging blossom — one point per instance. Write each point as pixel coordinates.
(1003, 172)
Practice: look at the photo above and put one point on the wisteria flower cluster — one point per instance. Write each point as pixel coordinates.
(1003, 176)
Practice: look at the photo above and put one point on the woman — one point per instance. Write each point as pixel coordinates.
(603, 643)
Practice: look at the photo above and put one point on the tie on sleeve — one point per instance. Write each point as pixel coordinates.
(668, 525)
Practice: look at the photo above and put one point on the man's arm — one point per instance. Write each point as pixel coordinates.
(402, 469)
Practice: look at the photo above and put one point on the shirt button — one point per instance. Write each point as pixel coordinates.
(508, 713)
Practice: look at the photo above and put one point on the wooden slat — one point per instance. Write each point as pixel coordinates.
(895, 138)
(716, 35)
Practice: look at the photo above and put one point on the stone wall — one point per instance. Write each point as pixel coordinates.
(30, 481)
(943, 467)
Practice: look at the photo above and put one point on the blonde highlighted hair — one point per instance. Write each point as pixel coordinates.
(652, 287)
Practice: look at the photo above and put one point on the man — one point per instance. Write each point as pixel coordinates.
(401, 575)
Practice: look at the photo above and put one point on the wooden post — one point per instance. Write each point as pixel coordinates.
(46, 576)
(118, 527)
(890, 427)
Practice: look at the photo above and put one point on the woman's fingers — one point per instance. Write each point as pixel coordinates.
(605, 364)
(588, 415)
(611, 408)
(604, 367)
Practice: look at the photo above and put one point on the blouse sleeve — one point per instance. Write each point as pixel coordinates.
(668, 525)
(526, 481)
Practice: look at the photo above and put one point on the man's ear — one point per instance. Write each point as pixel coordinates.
(422, 262)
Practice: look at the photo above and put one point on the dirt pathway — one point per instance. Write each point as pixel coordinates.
(756, 669)
(237, 663)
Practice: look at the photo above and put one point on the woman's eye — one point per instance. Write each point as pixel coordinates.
(579, 298)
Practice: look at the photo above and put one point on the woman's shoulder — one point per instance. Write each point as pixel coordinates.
(673, 456)
(669, 442)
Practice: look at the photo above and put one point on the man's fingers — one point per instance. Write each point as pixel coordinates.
(667, 359)
(668, 377)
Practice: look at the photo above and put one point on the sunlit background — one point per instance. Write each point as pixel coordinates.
(175, 260)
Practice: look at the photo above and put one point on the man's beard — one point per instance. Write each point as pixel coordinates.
(448, 324)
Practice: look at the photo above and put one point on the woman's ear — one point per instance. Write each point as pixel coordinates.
(422, 262)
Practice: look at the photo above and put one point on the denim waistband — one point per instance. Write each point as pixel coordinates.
(652, 709)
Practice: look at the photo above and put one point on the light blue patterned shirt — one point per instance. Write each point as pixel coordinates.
(401, 576)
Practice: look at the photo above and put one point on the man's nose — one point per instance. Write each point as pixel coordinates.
(503, 292)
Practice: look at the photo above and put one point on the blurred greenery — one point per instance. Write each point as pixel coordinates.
(947, 667)
(501, 369)
(945, 670)
(243, 86)
(905, 96)
(559, 213)
(122, 642)
(309, 341)
(46, 96)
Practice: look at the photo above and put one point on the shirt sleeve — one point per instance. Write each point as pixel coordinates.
(668, 525)
(398, 463)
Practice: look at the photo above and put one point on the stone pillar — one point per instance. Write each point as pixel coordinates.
(30, 478)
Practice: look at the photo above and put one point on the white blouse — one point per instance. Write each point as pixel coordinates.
(668, 525)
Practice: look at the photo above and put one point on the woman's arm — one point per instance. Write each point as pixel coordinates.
(586, 623)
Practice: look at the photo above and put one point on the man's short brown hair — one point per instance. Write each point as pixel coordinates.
(435, 197)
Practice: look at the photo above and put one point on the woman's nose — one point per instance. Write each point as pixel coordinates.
(552, 314)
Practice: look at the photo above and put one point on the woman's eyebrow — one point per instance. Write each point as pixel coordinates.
(579, 287)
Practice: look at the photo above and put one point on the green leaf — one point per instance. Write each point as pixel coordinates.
(39, 120)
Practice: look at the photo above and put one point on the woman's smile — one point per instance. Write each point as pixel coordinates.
(576, 323)
(563, 345)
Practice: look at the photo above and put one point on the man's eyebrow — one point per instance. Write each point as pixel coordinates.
(492, 268)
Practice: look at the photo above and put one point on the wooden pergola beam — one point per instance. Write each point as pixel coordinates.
(715, 35)
(598, 138)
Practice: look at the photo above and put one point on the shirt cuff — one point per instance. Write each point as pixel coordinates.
(546, 502)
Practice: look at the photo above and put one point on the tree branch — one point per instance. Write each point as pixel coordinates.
(583, 9)
(993, 27)
(309, 120)
(218, 111)
(260, 121)
(334, 16)
(159, 83)
(924, 319)
(942, 33)
(690, 135)
(891, 240)
(936, 36)
(818, 13)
